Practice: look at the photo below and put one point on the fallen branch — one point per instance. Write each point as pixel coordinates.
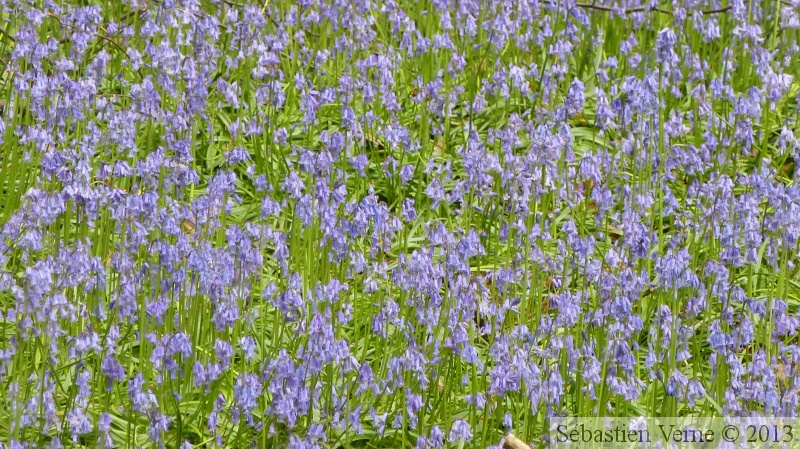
(657, 9)
(512, 442)
(101, 36)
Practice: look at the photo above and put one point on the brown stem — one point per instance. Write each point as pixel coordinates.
(643, 8)
(512, 442)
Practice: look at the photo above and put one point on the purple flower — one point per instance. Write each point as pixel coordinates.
(460, 430)
(246, 391)
(249, 347)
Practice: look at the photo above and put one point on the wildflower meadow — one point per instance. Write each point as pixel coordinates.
(422, 224)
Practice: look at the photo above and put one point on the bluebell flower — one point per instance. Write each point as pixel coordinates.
(460, 430)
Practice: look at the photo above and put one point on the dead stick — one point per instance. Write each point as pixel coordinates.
(663, 11)
(512, 442)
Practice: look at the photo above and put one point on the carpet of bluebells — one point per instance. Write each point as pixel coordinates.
(393, 223)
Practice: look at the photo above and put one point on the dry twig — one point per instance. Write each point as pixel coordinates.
(663, 11)
(512, 442)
